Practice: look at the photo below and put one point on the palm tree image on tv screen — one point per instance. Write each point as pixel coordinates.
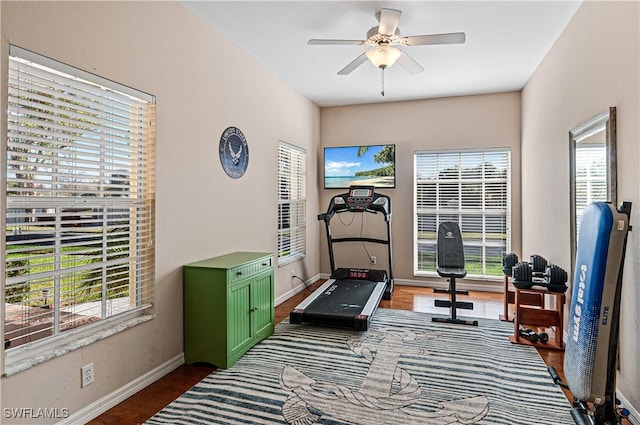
(372, 165)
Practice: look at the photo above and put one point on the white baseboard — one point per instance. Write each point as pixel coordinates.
(301, 287)
(634, 415)
(105, 403)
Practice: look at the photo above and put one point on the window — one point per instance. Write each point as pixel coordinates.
(80, 196)
(471, 188)
(292, 227)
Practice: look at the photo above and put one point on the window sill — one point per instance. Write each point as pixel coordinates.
(283, 261)
(18, 360)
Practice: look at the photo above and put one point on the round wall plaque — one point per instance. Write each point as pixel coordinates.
(234, 152)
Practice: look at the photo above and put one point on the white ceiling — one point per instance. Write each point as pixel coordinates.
(506, 40)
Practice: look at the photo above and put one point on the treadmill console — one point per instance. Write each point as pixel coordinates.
(359, 198)
(360, 274)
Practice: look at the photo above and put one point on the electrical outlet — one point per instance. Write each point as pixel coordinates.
(373, 259)
(86, 375)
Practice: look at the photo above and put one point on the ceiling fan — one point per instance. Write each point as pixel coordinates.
(383, 40)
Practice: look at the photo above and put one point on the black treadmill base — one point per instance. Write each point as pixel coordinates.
(455, 321)
(388, 291)
(295, 317)
(361, 324)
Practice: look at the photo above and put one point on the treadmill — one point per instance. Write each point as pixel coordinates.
(351, 296)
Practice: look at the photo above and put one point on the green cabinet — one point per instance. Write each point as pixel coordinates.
(228, 306)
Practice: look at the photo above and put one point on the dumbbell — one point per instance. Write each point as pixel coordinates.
(543, 337)
(524, 272)
(508, 261)
(522, 277)
(529, 334)
(534, 337)
(538, 265)
(555, 278)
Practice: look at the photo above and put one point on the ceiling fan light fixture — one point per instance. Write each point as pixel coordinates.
(383, 55)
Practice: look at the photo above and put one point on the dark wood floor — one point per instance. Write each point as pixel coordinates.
(141, 406)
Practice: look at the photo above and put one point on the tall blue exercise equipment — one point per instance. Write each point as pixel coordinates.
(594, 315)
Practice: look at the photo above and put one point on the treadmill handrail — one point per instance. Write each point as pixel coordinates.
(336, 208)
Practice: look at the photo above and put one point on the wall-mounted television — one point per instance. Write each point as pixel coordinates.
(373, 165)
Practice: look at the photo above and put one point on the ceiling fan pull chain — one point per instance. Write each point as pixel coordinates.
(382, 81)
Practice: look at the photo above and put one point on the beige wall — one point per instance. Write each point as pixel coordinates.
(203, 84)
(593, 65)
(448, 123)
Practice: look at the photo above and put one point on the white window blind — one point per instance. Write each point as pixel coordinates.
(292, 227)
(590, 177)
(471, 188)
(80, 197)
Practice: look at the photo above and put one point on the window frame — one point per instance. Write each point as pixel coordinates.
(292, 175)
(458, 210)
(79, 176)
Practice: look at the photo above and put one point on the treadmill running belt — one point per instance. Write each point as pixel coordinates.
(345, 298)
(344, 303)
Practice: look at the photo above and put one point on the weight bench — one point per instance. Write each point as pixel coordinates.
(450, 258)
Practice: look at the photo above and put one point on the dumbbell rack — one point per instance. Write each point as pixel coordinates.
(536, 300)
(538, 317)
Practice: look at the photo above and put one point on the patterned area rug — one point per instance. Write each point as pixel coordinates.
(404, 370)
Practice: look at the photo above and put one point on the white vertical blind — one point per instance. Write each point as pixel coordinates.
(80, 199)
(471, 188)
(292, 227)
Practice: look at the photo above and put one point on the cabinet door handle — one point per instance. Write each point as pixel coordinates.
(238, 273)
(254, 309)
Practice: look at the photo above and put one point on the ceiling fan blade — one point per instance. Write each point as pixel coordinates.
(422, 40)
(354, 64)
(328, 42)
(388, 19)
(409, 64)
